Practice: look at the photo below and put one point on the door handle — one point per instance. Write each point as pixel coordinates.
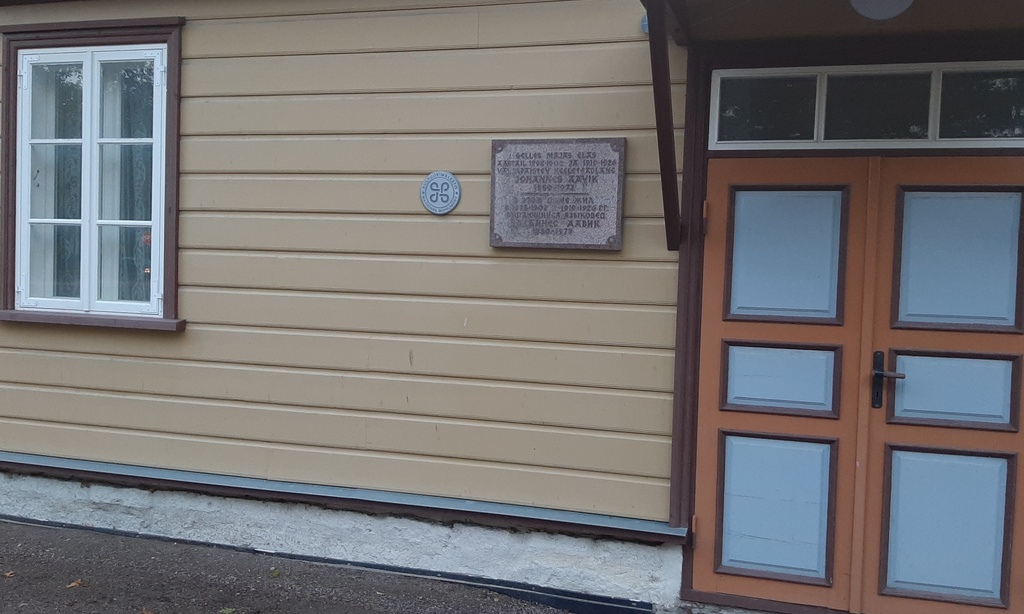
(889, 374)
(878, 377)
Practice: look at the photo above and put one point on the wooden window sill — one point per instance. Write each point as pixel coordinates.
(95, 320)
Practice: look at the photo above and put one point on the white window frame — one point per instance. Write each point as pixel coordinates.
(822, 72)
(91, 58)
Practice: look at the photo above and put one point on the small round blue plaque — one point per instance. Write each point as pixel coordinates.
(440, 192)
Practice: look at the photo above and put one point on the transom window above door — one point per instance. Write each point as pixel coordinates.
(906, 106)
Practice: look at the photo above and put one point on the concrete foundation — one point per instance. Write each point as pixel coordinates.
(605, 567)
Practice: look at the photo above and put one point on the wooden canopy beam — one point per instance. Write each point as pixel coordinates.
(664, 118)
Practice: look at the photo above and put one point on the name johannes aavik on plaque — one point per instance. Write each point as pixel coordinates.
(557, 193)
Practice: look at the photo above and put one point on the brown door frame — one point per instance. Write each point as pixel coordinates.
(702, 59)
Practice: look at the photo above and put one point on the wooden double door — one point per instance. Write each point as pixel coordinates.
(860, 384)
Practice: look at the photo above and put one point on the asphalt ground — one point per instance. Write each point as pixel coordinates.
(51, 570)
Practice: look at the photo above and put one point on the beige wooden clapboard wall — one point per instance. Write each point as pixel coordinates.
(337, 332)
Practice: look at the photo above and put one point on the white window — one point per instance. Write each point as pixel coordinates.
(90, 180)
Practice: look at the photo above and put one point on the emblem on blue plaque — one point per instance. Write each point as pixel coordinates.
(440, 192)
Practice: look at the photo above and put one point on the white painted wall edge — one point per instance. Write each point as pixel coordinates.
(606, 567)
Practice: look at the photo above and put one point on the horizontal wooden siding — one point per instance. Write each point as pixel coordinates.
(337, 332)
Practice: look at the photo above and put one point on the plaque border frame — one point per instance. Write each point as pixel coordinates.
(614, 242)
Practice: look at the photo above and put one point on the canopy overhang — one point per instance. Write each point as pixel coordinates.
(748, 20)
(810, 25)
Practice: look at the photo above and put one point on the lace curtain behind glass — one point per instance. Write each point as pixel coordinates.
(136, 182)
(67, 239)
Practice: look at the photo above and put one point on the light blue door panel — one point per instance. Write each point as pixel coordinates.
(947, 517)
(954, 389)
(781, 378)
(958, 262)
(775, 506)
(786, 253)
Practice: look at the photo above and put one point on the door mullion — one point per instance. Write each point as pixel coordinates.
(867, 295)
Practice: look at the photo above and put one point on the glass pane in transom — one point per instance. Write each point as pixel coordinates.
(767, 108)
(959, 258)
(56, 101)
(982, 105)
(866, 107)
(126, 103)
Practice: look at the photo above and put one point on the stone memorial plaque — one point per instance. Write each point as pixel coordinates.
(557, 193)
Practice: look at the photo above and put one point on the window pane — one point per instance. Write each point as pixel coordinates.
(982, 105)
(126, 182)
(126, 108)
(877, 107)
(55, 261)
(55, 182)
(57, 101)
(125, 261)
(767, 109)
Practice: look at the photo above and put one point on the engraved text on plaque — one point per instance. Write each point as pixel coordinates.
(557, 193)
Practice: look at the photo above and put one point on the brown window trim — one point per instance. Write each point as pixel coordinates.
(77, 34)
